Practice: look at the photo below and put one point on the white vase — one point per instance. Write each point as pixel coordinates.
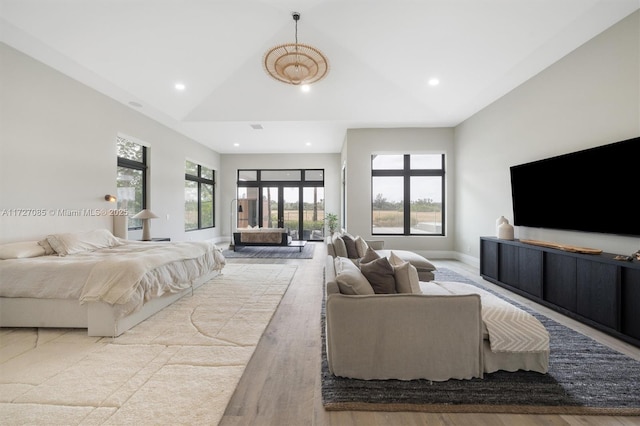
(499, 222)
(505, 231)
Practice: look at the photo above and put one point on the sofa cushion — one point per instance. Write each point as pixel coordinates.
(369, 256)
(339, 248)
(405, 274)
(380, 275)
(350, 245)
(350, 279)
(361, 246)
(415, 259)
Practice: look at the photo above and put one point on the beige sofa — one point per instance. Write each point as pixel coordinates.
(435, 334)
(346, 245)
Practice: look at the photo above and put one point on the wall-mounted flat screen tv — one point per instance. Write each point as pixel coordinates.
(594, 190)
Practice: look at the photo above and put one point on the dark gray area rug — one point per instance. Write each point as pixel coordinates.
(275, 252)
(585, 377)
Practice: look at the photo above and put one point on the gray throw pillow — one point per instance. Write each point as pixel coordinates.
(369, 256)
(350, 244)
(380, 275)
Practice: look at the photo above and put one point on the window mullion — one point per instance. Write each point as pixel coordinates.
(407, 195)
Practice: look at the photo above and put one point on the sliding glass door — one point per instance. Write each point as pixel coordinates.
(289, 199)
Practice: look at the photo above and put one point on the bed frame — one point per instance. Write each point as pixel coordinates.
(98, 318)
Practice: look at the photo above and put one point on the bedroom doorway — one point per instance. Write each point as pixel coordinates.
(289, 199)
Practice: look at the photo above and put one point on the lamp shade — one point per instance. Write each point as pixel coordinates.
(145, 214)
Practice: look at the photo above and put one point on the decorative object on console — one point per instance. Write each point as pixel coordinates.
(564, 247)
(499, 222)
(110, 198)
(145, 215)
(505, 231)
(296, 63)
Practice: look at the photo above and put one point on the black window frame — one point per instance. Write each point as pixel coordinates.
(143, 166)
(200, 181)
(407, 173)
(301, 184)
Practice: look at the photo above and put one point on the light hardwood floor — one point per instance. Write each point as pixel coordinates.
(281, 384)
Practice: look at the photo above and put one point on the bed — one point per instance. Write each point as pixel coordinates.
(96, 281)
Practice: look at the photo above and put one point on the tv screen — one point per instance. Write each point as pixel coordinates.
(594, 190)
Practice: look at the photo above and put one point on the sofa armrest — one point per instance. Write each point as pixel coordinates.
(404, 336)
(375, 244)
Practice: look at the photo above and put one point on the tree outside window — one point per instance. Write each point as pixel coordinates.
(198, 197)
(131, 179)
(407, 194)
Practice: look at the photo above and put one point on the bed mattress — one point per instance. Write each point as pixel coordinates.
(124, 276)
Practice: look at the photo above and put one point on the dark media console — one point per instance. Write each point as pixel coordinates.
(592, 288)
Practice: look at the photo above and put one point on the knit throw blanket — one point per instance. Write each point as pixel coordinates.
(514, 330)
(510, 328)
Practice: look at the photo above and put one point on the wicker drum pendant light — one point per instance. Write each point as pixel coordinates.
(296, 63)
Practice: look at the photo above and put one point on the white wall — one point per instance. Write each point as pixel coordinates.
(360, 145)
(230, 163)
(590, 97)
(58, 151)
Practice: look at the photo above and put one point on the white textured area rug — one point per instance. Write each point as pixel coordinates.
(180, 366)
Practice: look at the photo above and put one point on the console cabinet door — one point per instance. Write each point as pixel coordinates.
(508, 264)
(597, 292)
(489, 258)
(630, 302)
(530, 271)
(560, 280)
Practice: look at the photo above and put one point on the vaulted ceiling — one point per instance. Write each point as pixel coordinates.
(382, 55)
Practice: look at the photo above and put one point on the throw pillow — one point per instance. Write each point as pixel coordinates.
(21, 250)
(379, 273)
(361, 246)
(350, 244)
(76, 242)
(339, 248)
(406, 275)
(369, 256)
(47, 247)
(349, 278)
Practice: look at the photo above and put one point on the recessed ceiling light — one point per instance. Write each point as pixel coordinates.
(180, 86)
(236, 144)
(256, 126)
(434, 82)
(308, 143)
(305, 88)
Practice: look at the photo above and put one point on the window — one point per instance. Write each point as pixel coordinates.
(407, 194)
(292, 199)
(132, 178)
(198, 197)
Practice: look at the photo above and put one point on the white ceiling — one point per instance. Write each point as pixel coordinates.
(381, 54)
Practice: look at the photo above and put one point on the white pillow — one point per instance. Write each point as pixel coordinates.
(47, 247)
(349, 278)
(406, 275)
(361, 246)
(21, 250)
(77, 242)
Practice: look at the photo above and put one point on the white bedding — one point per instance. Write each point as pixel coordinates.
(125, 276)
